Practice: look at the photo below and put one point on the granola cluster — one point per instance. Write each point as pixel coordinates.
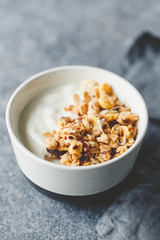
(104, 128)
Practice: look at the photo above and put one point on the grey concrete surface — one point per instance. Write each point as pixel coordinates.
(36, 35)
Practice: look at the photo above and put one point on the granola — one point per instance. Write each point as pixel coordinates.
(103, 129)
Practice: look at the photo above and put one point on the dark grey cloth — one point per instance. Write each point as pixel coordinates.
(36, 35)
(136, 212)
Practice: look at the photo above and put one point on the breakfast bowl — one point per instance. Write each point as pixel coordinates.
(72, 180)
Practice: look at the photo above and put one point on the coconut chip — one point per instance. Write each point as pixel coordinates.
(109, 109)
(100, 122)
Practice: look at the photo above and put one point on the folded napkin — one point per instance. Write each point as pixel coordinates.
(135, 214)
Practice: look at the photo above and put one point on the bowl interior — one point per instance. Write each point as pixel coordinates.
(45, 80)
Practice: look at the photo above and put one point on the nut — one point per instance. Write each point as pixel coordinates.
(105, 103)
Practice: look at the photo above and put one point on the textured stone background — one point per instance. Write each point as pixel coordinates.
(36, 35)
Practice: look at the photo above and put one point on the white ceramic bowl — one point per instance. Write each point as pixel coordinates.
(69, 180)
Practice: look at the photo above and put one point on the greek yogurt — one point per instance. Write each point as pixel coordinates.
(41, 114)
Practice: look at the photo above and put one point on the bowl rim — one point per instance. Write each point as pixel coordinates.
(64, 167)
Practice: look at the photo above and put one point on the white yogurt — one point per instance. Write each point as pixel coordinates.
(41, 114)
